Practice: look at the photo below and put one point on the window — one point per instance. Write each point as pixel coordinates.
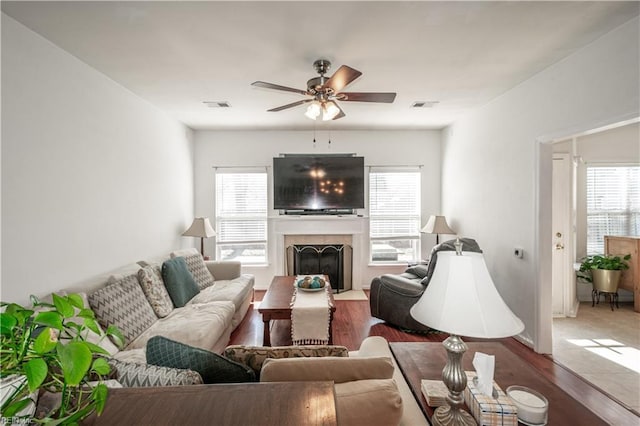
(613, 204)
(241, 217)
(394, 215)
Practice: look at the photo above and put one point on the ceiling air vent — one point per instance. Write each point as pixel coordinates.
(217, 104)
(424, 104)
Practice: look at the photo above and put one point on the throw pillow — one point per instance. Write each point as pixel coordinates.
(178, 281)
(133, 375)
(212, 367)
(199, 270)
(254, 356)
(90, 336)
(153, 287)
(123, 304)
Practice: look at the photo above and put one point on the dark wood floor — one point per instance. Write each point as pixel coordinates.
(353, 322)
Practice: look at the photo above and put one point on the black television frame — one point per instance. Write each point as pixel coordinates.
(305, 208)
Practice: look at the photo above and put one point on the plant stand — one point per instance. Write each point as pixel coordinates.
(595, 298)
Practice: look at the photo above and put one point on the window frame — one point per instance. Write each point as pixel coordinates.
(222, 217)
(414, 238)
(628, 212)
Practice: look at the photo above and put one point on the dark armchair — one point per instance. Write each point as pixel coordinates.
(392, 295)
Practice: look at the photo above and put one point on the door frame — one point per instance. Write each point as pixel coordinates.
(543, 154)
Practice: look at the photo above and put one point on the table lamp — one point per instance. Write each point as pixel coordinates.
(437, 225)
(462, 300)
(201, 227)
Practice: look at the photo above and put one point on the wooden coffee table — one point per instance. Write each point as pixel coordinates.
(426, 360)
(276, 305)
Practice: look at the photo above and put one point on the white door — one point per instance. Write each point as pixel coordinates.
(562, 283)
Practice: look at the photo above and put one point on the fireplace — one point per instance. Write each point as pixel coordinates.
(331, 255)
(349, 231)
(326, 259)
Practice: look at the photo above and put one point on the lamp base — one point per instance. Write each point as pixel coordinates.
(455, 379)
(445, 416)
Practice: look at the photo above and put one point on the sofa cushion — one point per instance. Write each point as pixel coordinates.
(335, 369)
(132, 375)
(123, 304)
(150, 278)
(213, 368)
(198, 269)
(197, 325)
(368, 402)
(255, 356)
(178, 281)
(235, 290)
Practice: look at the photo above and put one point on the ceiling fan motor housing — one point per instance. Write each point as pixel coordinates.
(314, 85)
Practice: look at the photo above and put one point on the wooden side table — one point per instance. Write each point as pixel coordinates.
(419, 361)
(265, 404)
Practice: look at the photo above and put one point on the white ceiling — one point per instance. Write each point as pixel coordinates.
(178, 54)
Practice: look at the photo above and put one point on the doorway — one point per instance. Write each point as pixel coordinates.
(600, 345)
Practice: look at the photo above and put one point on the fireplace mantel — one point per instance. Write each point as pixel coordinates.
(307, 225)
(332, 227)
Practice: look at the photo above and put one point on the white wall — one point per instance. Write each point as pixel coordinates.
(257, 148)
(93, 177)
(491, 172)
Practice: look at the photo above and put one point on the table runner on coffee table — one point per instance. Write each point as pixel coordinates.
(310, 315)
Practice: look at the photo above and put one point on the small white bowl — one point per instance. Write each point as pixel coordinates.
(532, 406)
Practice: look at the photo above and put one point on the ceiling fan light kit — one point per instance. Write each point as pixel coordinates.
(325, 92)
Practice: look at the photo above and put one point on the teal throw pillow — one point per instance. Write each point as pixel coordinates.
(179, 282)
(212, 367)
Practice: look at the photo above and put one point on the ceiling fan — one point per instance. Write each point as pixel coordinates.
(326, 91)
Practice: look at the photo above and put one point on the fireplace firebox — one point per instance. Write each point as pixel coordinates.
(327, 259)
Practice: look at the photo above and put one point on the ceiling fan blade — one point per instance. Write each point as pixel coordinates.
(341, 78)
(340, 114)
(266, 85)
(386, 98)
(291, 105)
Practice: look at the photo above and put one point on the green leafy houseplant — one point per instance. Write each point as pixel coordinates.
(46, 346)
(601, 261)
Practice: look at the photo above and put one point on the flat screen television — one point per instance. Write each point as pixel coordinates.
(318, 184)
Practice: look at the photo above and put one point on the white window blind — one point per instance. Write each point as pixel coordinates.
(241, 216)
(394, 215)
(613, 204)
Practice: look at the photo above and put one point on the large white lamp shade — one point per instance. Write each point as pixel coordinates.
(462, 299)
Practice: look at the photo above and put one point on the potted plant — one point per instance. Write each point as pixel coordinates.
(44, 349)
(603, 271)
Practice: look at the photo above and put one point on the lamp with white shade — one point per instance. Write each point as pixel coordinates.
(201, 227)
(437, 225)
(462, 300)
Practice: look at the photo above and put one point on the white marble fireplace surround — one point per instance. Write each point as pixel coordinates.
(346, 230)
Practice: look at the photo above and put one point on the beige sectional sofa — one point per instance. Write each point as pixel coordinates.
(370, 388)
(206, 321)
